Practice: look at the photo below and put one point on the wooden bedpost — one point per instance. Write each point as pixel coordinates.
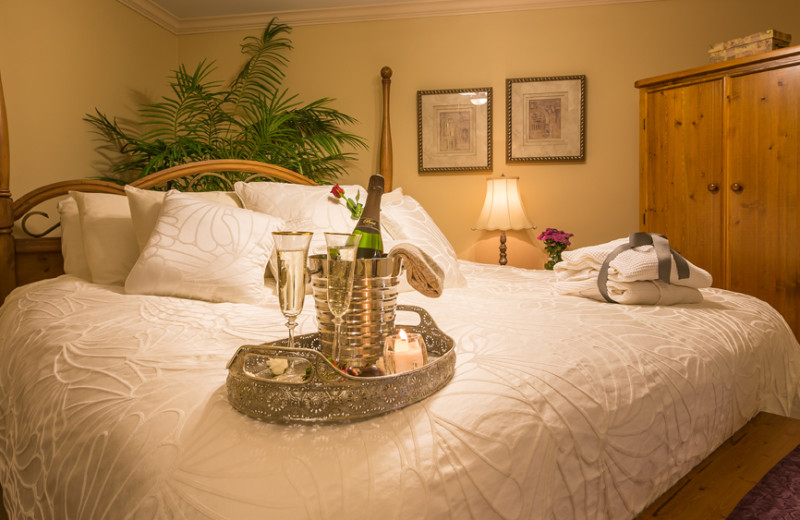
(7, 267)
(386, 132)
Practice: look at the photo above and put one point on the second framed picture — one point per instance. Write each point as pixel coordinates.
(545, 118)
(454, 129)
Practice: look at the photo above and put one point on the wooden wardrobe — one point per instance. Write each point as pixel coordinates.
(719, 168)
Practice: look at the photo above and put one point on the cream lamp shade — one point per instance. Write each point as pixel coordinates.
(502, 210)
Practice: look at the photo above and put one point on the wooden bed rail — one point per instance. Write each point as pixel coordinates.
(32, 199)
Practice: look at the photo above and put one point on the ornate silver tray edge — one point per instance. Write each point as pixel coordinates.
(327, 395)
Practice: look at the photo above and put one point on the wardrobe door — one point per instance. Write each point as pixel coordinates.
(681, 171)
(763, 169)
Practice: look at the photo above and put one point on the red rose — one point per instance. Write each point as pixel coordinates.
(337, 191)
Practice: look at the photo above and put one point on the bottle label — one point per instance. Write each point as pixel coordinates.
(368, 223)
(370, 241)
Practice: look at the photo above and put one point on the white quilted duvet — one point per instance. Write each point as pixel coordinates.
(114, 406)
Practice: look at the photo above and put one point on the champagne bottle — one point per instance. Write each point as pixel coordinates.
(369, 225)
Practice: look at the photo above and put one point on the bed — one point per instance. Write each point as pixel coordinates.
(113, 405)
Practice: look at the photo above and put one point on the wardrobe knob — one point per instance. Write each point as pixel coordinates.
(736, 187)
(713, 188)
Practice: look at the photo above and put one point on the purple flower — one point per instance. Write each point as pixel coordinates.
(555, 241)
(556, 236)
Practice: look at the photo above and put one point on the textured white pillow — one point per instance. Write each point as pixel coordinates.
(313, 206)
(145, 206)
(307, 208)
(205, 251)
(72, 239)
(407, 221)
(108, 238)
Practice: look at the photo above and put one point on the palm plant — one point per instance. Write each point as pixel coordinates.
(252, 118)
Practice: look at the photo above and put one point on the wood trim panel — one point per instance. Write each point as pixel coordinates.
(736, 67)
(38, 245)
(7, 269)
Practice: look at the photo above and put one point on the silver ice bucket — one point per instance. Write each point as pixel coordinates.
(370, 318)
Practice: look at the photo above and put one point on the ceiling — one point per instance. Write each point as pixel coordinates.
(198, 16)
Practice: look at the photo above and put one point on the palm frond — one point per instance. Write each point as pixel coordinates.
(253, 118)
(262, 73)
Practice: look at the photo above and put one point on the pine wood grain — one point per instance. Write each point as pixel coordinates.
(733, 130)
(763, 144)
(683, 138)
(713, 488)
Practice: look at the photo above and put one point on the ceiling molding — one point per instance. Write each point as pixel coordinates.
(155, 13)
(360, 13)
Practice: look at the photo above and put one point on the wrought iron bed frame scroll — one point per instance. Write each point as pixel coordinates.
(24, 260)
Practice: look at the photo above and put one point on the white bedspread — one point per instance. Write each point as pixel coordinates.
(114, 406)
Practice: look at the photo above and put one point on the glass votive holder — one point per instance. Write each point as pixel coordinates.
(403, 352)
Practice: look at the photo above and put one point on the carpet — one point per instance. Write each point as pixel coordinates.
(776, 496)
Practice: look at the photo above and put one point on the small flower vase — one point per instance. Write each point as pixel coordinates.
(555, 257)
(555, 242)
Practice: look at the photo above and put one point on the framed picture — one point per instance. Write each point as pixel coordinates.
(454, 129)
(545, 118)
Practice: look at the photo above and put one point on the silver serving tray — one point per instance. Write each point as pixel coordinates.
(312, 390)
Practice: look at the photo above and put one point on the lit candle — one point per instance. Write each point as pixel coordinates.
(404, 352)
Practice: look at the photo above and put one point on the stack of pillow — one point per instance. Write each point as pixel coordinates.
(215, 246)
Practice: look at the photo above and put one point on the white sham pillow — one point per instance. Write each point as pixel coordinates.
(407, 221)
(205, 251)
(307, 208)
(72, 239)
(313, 206)
(145, 206)
(108, 238)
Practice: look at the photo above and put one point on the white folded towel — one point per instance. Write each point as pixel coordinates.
(650, 292)
(633, 276)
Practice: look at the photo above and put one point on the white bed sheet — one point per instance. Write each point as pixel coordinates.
(114, 406)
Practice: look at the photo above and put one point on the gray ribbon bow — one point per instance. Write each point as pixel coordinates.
(664, 254)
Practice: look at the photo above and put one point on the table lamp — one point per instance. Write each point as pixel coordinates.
(502, 209)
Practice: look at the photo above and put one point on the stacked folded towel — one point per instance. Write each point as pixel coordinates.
(633, 276)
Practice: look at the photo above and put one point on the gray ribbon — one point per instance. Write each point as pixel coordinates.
(664, 255)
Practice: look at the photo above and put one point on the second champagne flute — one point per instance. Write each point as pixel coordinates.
(342, 248)
(292, 250)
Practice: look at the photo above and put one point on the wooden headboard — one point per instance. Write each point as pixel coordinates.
(25, 259)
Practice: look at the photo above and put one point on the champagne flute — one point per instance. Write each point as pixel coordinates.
(342, 249)
(292, 251)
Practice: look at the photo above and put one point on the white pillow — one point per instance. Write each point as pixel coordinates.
(108, 238)
(307, 208)
(72, 239)
(145, 206)
(407, 221)
(205, 251)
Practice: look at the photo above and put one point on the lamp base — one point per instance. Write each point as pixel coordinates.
(503, 259)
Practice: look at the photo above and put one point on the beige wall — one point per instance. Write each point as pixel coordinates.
(613, 45)
(61, 59)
